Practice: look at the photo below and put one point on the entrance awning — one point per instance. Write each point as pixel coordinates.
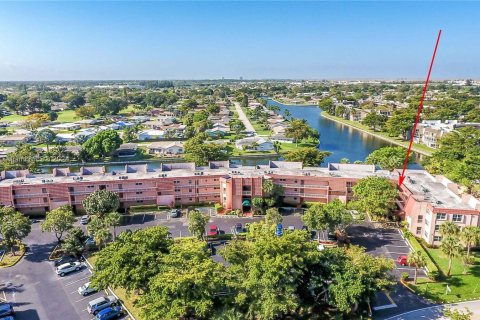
(246, 203)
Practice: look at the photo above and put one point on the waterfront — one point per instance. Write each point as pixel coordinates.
(341, 140)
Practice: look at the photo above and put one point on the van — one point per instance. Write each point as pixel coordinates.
(101, 303)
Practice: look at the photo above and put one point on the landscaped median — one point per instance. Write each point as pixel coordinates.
(463, 284)
(9, 260)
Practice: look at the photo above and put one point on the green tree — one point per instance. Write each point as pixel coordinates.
(375, 195)
(449, 229)
(101, 203)
(374, 120)
(85, 112)
(309, 156)
(129, 134)
(331, 216)
(237, 126)
(133, 259)
(74, 241)
(258, 203)
(186, 286)
(388, 158)
(273, 217)
(197, 222)
(244, 103)
(417, 260)
(58, 221)
(46, 136)
(470, 235)
(103, 144)
(400, 123)
(451, 248)
(327, 105)
(14, 227)
(113, 219)
(298, 129)
(196, 150)
(99, 229)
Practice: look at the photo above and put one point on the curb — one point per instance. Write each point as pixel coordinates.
(18, 260)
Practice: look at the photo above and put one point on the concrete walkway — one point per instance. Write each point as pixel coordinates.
(243, 117)
(436, 312)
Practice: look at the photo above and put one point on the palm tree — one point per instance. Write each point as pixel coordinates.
(113, 219)
(452, 248)
(449, 229)
(470, 235)
(417, 260)
(267, 186)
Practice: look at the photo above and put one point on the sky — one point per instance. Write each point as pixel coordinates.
(255, 40)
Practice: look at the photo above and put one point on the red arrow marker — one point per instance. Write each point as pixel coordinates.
(402, 177)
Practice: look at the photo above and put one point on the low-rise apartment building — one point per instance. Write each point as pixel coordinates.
(424, 201)
(428, 201)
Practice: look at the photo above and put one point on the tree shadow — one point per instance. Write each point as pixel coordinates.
(39, 252)
(29, 314)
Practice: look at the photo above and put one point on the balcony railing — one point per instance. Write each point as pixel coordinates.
(32, 204)
(30, 195)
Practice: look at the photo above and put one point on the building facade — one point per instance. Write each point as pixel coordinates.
(424, 201)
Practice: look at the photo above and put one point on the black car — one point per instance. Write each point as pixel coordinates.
(66, 259)
(6, 309)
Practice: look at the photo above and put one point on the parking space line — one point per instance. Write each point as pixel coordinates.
(87, 297)
(391, 245)
(73, 282)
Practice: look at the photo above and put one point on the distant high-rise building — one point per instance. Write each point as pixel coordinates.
(241, 78)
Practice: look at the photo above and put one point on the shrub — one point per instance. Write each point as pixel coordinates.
(218, 207)
(404, 276)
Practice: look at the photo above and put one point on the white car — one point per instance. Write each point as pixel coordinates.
(65, 268)
(86, 289)
(85, 219)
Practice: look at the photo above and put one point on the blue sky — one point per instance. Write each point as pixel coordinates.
(256, 40)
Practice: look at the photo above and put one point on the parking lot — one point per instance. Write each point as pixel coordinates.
(388, 243)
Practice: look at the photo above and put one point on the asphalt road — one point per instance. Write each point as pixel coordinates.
(243, 117)
(390, 244)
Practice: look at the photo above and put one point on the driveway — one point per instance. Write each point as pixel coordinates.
(243, 117)
(436, 312)
(388, 243)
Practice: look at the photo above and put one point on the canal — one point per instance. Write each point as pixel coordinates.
(341, 140)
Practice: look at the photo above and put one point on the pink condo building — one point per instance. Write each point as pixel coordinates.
(425, 201)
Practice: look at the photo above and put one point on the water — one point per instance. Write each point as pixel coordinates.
(341, 140)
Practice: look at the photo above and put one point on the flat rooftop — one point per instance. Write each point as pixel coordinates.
(222, 168)
(425, 186)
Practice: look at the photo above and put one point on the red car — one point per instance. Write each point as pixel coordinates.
(213, 230)
(402, 260)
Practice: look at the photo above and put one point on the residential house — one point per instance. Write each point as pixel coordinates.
(254, 143)
(151, 135)
(127, 150)
(166, 148)
(14, 139)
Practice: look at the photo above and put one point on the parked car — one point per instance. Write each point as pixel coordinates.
(66, 268)
(86, 289)
(403, 260)
(6, 309)
(279, 230)
(65, 259)
(7, 318)
(97, 305)
(90, 242)
(213, 230)
(291, 228)
(331, 237)
(85, 219)
(175, 213)
(109, 313)
(238, 228)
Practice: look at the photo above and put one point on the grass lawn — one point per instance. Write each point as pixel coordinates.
(10, 260)
(128, 110)
(63, 116)
(415, 146)
(286, 147)
(463, 286)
